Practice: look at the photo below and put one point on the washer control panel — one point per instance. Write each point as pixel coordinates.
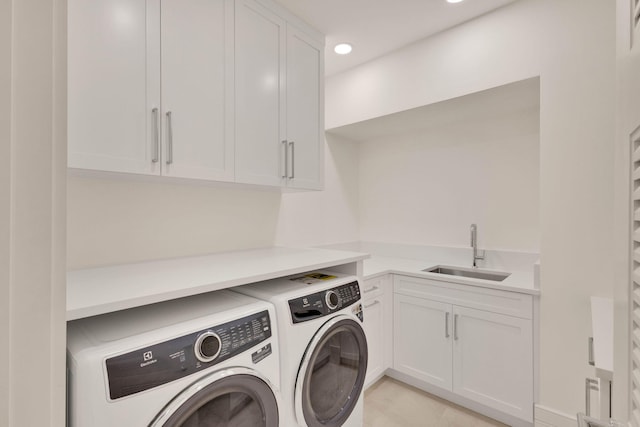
(320, 304)
(154, 365)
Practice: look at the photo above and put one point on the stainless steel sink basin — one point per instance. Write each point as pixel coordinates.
(496, 276)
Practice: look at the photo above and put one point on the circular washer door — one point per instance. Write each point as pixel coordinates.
(230, 398)
(331, 376)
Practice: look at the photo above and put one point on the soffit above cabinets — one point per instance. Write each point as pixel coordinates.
(488, 104)
(381, 26)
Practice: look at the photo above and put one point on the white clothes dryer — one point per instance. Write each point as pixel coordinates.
(323, 348)
(206, 360)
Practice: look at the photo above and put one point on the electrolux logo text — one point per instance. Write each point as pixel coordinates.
(147, 356)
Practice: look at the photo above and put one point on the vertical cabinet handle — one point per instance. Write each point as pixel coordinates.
(156, 137)
(169, 139)
(293, 159)
(455, 327)
(589, 384)
(592, 361)
(446, 325)
(286, 159)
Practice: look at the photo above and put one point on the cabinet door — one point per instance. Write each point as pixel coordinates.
(197, 88)
(492, 361)
(305, 133)
(260, 85)
(113, 84)
(422, 339)
(374, 309)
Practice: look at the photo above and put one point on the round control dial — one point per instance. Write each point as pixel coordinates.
(208, 346)
(332, 299)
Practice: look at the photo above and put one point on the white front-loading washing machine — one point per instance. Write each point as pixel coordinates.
(206, 360)
(323, 348)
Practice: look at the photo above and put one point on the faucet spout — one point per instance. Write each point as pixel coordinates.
(477, 255)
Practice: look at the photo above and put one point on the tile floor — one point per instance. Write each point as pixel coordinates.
(390, 403)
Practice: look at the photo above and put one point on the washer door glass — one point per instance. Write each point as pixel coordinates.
(233, 401)
(335, 372)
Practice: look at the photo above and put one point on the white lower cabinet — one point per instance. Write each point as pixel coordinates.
(440, 338)
(422, 340)
(377, 305)
(493, 360)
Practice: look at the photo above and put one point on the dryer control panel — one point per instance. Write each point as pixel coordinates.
(320, 304)
(154, 365)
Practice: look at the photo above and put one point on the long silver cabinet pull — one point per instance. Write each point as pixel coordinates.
(286, 159)
(169, 139)
(371, 289)
(592, 361)
(455, 326)
(156, 137)
(293, 159)
(372, 304)
(446, 325)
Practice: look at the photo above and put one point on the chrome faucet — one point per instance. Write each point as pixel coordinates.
(477, 255)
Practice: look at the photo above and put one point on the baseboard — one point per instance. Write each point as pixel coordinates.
(458, 400)
(547, 417)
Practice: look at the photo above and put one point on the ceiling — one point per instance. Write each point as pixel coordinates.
(377, 27)
(488, 104)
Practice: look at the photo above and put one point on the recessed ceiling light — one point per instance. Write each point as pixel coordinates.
(342, 48)
(454, 1)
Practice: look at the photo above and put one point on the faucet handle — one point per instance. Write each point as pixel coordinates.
(473, 234)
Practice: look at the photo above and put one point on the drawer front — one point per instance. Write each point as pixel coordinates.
(374, 287)
(493, 300)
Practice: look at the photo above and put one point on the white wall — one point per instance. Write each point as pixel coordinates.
(32, 212)
(112, 221)
(5, 206)
(570, 44)
(427, 187)
(628, 111)
(328, 216)
(119, 220)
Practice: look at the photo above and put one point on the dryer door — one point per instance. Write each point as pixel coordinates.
(331, 376)
(228, 398)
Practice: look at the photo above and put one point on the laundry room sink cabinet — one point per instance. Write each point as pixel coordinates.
(469, 342)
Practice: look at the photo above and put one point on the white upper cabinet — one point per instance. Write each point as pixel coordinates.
(224, 90)
(197, 89)
(279, 99)
(122, 56)
(260, 85)
(113, 84)
(305, 67)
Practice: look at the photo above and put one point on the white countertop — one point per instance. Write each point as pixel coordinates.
(102, 290)
(518, 281)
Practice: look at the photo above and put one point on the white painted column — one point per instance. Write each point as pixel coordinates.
(628, 120)
(32, 212)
